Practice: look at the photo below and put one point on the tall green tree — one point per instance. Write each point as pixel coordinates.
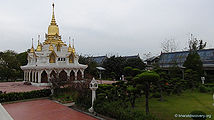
(22, 58)
(193, 61)
(114, 65)
(91, 71)
(144, 81)
(135, 63)
(10, 66)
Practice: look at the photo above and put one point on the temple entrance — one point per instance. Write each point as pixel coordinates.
(63, 75)
(72, 77)
(44, 77)
(53, 74)
(79, 75)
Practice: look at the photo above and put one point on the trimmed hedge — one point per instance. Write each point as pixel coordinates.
(24, 95)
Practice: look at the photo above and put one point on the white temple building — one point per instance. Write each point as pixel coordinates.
(52, 57)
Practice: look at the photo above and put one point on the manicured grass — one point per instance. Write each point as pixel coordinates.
(183, 104)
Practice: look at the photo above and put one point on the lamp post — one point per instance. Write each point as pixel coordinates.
(202, 80)
(93, 86)
(100, 72)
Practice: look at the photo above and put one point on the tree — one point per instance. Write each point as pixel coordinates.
(196, 44)
(114, 65)
(169, 45)
(144, 81)
(10, 66)
(193, 61)
(22, 58)
(91, 70)
(133, 93)
(135, 63)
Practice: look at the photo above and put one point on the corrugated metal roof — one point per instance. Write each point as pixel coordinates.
(168, 59)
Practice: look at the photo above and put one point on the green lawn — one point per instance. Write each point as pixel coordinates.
(183, 104)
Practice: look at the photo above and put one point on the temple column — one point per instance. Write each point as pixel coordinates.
(82, 72)
(48, 74)
(68, 74)
(33, 74)
(39, 76)
(35, 77)
(29, 76)
(24, 76)
(75, 74)
(26, 73)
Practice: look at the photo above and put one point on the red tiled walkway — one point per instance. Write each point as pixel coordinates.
(43, 110)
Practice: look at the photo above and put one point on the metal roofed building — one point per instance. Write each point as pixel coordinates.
(178, 58)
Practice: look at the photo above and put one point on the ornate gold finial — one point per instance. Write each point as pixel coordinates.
(69, 48)
(73, 49)
(32, 48)
(39, 47)
(51, 47)
(53, 21)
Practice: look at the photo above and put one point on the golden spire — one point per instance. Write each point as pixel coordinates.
(73, 49)
(53, 21)
(53, 27)
(39, 47)
(32, 48)
(69, 48)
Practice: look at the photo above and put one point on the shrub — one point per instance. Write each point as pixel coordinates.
(24, 95)
(209, 85)
(156, 95)
(119, 111)
(203, 89)
(197, 114)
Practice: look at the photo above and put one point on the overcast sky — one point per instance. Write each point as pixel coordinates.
(123, 27)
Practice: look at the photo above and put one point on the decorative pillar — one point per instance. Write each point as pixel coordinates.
(24, 76)
(68, 74)
(48, 74)
(35, 77)
(93, 86)
(82, 72)
(75, 74)
(39, 76)
(29, 76)
(33, 74)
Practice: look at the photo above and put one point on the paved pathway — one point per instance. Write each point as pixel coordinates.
(4, 114)
(17, 87)
(43, 110)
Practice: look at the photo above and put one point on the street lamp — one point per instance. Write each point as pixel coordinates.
(100, 72)
(202, 80)
(93, 86)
